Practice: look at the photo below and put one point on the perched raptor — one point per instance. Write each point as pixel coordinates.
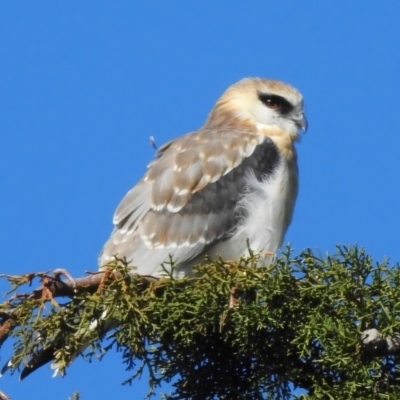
(209, 191)
(213, 191)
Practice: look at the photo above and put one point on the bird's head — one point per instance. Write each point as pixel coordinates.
(260, 103)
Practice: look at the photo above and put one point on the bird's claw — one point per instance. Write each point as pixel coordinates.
(61, 271)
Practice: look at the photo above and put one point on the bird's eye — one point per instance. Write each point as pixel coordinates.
(272, 103)
(275, 102)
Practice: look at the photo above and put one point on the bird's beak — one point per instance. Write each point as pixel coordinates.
(301, 122)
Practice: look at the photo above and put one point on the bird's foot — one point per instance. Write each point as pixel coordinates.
(61, 271)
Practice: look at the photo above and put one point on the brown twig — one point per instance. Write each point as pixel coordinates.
(53, 286)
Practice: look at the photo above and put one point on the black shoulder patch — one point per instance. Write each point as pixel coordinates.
(268, 159)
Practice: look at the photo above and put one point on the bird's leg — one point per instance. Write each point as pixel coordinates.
(270, 256)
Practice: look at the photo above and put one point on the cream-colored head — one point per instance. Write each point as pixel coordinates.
(259, 103)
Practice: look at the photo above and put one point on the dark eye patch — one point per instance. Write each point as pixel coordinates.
(276, 102)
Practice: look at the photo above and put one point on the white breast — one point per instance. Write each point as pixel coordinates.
(268, 206)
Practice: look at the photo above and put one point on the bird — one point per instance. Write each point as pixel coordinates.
(216, 191)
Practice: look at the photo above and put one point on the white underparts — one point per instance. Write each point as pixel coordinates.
(268, 206)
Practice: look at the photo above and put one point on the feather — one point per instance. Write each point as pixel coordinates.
(195, 218)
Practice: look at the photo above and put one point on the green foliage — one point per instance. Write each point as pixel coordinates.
(235, 331)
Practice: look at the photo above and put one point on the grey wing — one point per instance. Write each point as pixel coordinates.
(187, 200)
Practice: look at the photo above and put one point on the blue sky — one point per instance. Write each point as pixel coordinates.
(84, 84)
